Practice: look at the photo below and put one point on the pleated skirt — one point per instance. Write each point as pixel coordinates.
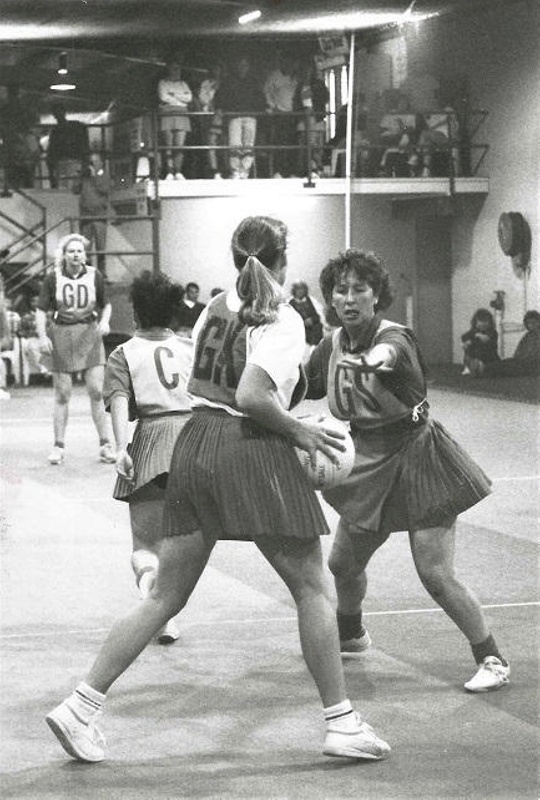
(233, 479)
(414, 479)
(151, 449)
(75, 348)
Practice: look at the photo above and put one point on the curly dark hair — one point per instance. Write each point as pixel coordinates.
(155, 299)
(483, 315)
(367, 267)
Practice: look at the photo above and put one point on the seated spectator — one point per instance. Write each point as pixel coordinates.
(189, 310)
(526, 358)
(311, 312)
(30, 342)
(479, 343)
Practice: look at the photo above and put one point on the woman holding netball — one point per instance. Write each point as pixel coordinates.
(409, 474)
(146, 379)
(74, 295)
(235, 474)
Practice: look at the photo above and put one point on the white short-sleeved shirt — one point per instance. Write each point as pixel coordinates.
(276, 347)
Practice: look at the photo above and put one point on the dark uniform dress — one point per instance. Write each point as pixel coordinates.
(77, 343)
(229, 476)
(409, 473)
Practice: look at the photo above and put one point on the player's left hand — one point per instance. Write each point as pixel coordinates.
(103, 327)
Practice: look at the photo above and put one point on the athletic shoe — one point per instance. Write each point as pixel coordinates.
(360, 743)
(56, 456)
(106, 454)
(4, 395)
(352, 648)
(491, 675)
(169, 633)
(82, 741)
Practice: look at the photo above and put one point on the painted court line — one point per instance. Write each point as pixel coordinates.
(259, 620)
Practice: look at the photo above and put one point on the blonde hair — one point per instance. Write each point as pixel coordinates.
(63, 244)
(259, 246)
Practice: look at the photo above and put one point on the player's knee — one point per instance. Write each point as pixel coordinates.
(341, 565)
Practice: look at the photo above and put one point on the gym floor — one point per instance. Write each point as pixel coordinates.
(229, 711)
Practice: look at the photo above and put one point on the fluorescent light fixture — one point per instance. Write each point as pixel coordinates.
(250, 16)
(62, 87)
(62, 64)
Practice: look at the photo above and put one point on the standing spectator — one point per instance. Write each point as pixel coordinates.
(311, 97)
(190, 309)
(279, 90)
(311, 312)
(75, 296)
(239, 98)
(209, 124)
(21, 141)
(174, 98)
(94, 209)
(479, 343)
(68, 151)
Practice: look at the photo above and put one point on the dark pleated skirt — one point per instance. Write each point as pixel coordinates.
(75, 348)
(233, 479)
(151, 449)
(413, 479)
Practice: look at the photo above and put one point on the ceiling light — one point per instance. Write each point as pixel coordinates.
(250, 16)
(62, 87)
(62, 64)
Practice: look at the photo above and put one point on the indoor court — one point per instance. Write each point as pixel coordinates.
(229, 711)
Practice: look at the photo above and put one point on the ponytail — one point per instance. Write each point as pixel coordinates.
(260, 293)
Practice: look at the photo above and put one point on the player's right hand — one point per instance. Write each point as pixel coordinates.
(124, 465)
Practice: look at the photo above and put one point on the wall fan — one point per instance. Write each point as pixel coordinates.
(515, 239)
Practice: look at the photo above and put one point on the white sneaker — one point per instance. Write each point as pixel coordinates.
(169, 633)
(360, 743)
(4, 395)
(106, 454)
(491, 675)
(82, 741)
(352, 648)
(465, 371)
(56, 456)
(178, 176)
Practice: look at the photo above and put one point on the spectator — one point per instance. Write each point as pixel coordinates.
(174, 98)
(30, 341)
(479, 343)
(4, 335)
(21, 141)
(311, 97)
(239, 97)
(190, 309)
(279, 90)
(68, 151)
(526, 358)
(312, 315)
(94, 209)
(209, 124)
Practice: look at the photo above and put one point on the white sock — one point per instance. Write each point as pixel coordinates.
(341, 716)
(85, 701)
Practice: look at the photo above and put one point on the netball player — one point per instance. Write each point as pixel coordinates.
(146, 379)
(234, 473)
(74, 294)
(409, 474)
